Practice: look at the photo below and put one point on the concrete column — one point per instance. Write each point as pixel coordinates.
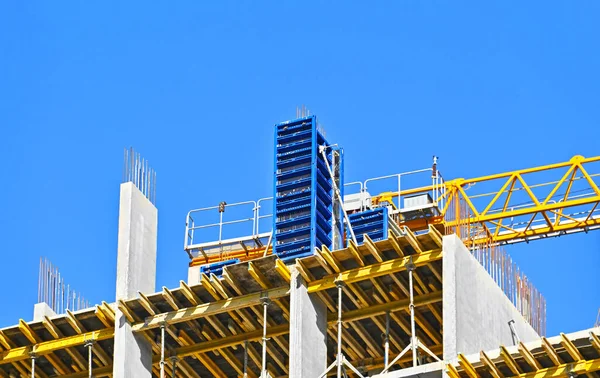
(136, 271)
(476, 310)
(193, 275)
(308, 330)
(40, 310)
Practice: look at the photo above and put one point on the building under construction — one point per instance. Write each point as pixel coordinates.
(395, 276)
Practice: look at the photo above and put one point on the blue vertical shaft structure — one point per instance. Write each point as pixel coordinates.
(303, 202)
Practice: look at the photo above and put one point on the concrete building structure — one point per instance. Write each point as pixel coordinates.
(425, 299)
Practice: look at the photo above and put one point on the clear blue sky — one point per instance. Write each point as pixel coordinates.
(196, 87)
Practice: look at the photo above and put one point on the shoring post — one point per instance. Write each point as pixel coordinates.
(33, 358)
(340, 286)
(89, 344)
(265, 302)
(174, 360)
(386, 340)
(410, 266)
(162, 349)
(340, 360)
(245, 358)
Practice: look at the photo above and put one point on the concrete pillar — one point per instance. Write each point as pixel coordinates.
(193, 275)
(476, 310)
(308, 330)
(40, 310)
(136, 271)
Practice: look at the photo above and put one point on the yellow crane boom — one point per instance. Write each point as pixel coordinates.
(521, 205)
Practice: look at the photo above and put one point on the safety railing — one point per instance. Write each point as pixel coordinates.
(242, 222)
(226, 223)
(390, 187)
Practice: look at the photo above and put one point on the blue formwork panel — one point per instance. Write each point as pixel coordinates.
(303, 190)
(217, 268)
(371, 222)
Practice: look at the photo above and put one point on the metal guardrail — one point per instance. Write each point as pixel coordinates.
(254, 213)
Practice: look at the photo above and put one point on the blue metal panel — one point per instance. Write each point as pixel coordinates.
(371, 222)
(217, 268)
(302, 190)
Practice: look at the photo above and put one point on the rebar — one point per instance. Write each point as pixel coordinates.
(138, 171)
(54, 291)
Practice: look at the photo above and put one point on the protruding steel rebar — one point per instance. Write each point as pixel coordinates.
(54, 291)
(138, 171)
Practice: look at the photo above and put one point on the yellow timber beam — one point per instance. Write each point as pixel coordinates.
(22, 353)
(565, 370)
(375, 270)
(211, 308)
(45, 347)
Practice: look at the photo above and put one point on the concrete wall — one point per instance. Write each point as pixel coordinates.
(476, 310)
(308, 331)
(193, 275)
(136, 260)
(40, 310)
(136, 271)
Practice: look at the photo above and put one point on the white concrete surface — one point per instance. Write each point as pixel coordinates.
(432, 370)
(308, 331)
(476, 311)
(40, 310)
(193, 275)
(136, 271)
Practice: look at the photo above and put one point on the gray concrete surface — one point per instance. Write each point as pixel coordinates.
(193, 275)
(136, 271)
(432, 370)
(40, 310)
(308, 331)
(476, 311)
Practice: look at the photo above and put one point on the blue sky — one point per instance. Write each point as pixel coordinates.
(196, 88)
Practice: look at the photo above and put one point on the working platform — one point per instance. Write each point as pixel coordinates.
(213, 327)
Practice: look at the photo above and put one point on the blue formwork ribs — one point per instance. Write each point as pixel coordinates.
(371, 222)
(303, 190)
(217, 268)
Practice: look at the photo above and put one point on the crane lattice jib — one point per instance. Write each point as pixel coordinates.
(521, 205)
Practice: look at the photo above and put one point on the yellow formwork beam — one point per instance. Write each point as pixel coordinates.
(211, 308)
(565, 370)
(45, 347)
(375, 270)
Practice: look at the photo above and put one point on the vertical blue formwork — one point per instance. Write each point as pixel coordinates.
(303, 190)
(371, 222)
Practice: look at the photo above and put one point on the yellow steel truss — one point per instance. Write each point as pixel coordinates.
(521, 205)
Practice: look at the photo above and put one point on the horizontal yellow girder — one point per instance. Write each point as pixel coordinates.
(211, 308)
(565, 370)
(375, 270)
(45, 347)
(23, 353)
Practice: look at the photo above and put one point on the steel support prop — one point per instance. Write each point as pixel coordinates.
(413, 337)
(340, 362)
(386, 340)
(162, 350)
(33, 358)
(265, 302)
(245, 358)
(174, 360)
(414, 341)
(90, 345)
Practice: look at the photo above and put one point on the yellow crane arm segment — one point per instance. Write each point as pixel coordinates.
(521, 205)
